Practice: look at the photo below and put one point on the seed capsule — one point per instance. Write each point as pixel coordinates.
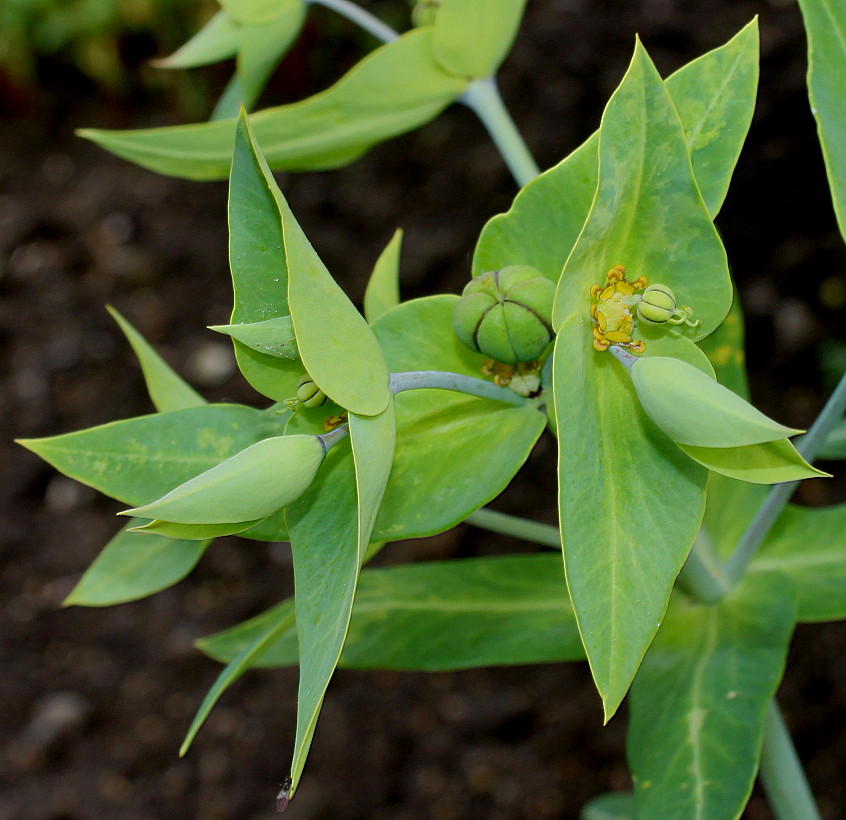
(309, 393)
(658, 305)
(506, 314)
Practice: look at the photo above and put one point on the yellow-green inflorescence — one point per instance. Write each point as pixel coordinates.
(620, 304)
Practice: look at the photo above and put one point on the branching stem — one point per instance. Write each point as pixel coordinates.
(440, 380)
(361, 17)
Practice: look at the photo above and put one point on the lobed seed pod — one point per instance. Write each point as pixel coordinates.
(506, 314)
(309, 393)
(657, 305)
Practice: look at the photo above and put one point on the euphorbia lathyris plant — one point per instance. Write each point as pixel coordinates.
(600, 307)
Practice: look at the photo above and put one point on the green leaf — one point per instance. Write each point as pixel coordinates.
(134, 565)
(835, 444)
(193, 532)
(630, 502)
(383, 287)
(698, 702)
(809, 546)
(647, 214)
(725, 350)
(825, 24)
(259, 267)
(769, 463)
(272, 337)
(393, 90)
(250, 485)
(455, 453)
(473, 37)
(167, 389)
(611, 806)
(262, 45)
(217, 40)
(257, 11)
(141, 459)
(323, 527)
(438, 616)
(239, 664)
(547, 216)
(694, 409)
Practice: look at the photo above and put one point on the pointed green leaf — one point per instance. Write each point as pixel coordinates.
(259, 268)
(167, 389)
(694, 409)
(256, 11)
(544, 222)
(383, 287)
(769, 463)
(239, 664)
(217, 40)
(725, 350)
(611, 806)
(262, 45)
(648, 214)
(694, 749)
(323, 526)
(140, 459)
(193, 532)
(393, 90)
(809, 546)
(473, 37)
(273, 337)
(250, 485)
(825, 24)
(134, 565)
(630, 505)
(438, 616)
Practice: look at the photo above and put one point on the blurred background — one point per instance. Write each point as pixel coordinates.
(94, 703)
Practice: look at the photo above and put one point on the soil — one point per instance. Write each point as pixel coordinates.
(94, 703)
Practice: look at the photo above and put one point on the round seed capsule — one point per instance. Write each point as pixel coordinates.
(309, 393)
(657, 305)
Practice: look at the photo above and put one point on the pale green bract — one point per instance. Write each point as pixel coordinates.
(273, 337)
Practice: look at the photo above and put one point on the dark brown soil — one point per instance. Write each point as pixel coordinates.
(94, 703)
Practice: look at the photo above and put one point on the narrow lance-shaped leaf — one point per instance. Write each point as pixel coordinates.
(134, 565)
(630, 502)
(382, 291)
(193, 532)
(825, 24)
(259, 268)
(139, 460)
(437, 616)
(393, 90)
(272, 337)
(217, 40)
(692, 408)
(694, 749)
(715, 98)
(472, 37)
(248, 486)
(167, 389)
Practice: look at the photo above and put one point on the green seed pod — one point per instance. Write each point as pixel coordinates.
(657, 305)
(506, 314)
(309, 393)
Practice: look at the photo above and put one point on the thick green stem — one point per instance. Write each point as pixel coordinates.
(700, 576)
(440, 380)
(483, 98)
(809, 445)
(781, 772)
(518, 527)
(362, 18)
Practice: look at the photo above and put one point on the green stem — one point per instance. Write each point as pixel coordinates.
(483, 98)
(809, 445)
(700, 576)
(439, 380)
(361, 17)
(781, 772)
(518, 527)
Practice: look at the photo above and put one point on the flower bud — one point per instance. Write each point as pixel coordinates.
(506, 314)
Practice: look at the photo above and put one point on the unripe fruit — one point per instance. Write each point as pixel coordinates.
(309, 393)
(657, 305)
(506, 314)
